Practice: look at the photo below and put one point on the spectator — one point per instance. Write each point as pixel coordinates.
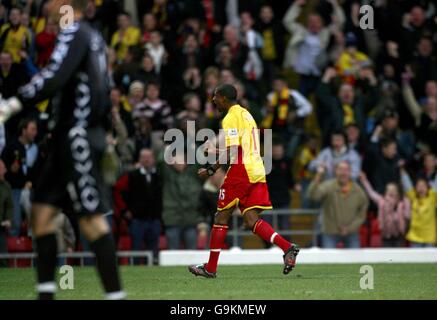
(272, 51)
(422, 232)
(192, 111)
(382, 164)
(181, 193)
(425, 118)
(20, 157)
(146, 72)
(14, 37)
(344, 206)
(139, 196)
(119, 103)
(389, 129)
(423, 65)
(12, 75)
(306, 47)
(238, 50)
(307, 154)
(280, 183)
(429, 168)
(155, 49)
(337, 152)
(45, 43)
(126, 36)
(142, 137)
(286, 109)
(135, 96)
(394, 211)
(154, 108)
(354, 138)
(348, 106)
(351, 60)
(253, 68)
(6, 211)
(149, 25)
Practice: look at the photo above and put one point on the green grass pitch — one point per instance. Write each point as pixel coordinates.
(391, 281)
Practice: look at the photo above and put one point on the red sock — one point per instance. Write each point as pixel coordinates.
(266, 232)
(218, 236)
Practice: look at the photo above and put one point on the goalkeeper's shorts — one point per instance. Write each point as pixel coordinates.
(71, 177)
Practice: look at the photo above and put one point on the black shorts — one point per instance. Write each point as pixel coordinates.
(71, 177)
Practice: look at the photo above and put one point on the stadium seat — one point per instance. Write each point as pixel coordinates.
(375, 234)
(163, 242)
(364, 236)
(19, 244)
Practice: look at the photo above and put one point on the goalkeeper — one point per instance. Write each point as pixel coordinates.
(76, 79)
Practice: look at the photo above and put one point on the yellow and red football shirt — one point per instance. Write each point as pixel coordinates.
(240, 130)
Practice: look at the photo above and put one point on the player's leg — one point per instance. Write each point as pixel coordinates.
(217, 240)
(96, 230)
(265, 231)
(43, 230)
(218, 237)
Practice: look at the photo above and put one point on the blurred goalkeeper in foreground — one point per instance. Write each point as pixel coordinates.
(71, 178)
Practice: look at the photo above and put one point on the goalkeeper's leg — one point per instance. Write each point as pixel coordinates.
(96, 230)
(43, 229)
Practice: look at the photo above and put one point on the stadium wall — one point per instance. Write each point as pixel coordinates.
(237, 256)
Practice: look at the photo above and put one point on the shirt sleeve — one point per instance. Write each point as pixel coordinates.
(66, 57)
(231, 131)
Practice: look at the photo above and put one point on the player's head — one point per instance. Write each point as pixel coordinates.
(225, 96)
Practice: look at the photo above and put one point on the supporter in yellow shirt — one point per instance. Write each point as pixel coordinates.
(422, 232)
(13, 36)
(351, 60)
(125, 36)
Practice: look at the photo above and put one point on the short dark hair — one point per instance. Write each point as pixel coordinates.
(228, 91)
(24, 123)
(387, 141)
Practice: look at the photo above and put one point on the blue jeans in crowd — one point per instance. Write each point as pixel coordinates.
(421, 245)
(177, 234)
(148, 231)
(351, 241)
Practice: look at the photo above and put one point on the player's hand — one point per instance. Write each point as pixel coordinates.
(362, 176)
(9, 107)
(203, 173)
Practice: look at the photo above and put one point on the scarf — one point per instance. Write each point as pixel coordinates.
(279, 104)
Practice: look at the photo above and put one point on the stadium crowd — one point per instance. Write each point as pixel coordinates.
(353, 112)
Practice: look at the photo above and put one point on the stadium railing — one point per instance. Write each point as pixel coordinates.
(236, 231)
(78, 255)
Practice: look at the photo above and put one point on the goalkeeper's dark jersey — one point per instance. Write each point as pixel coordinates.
(75, 78)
